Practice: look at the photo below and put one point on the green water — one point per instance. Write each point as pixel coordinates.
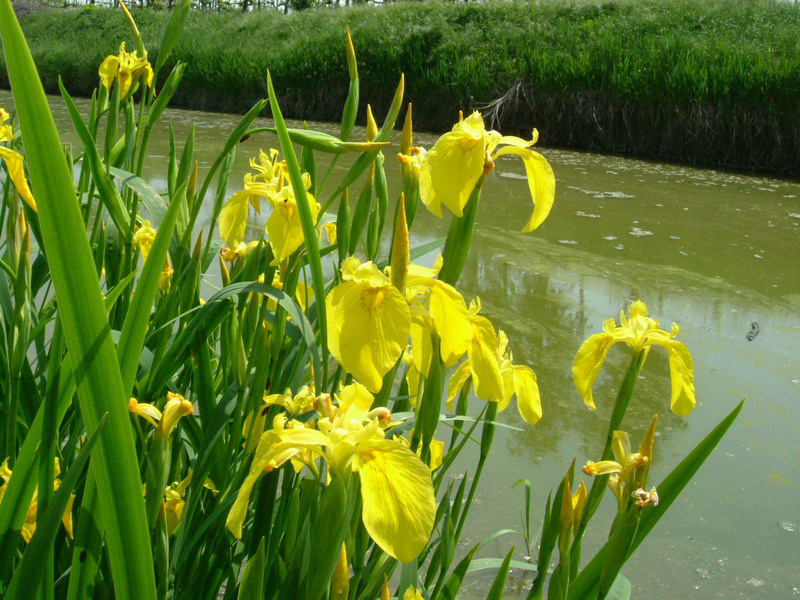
(710, 250)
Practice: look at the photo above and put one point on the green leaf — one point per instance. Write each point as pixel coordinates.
(105, 188)
(350, 110)
(363, 162)
(453, 585)
(481, 564)
(20, 487)
(172, 33)
(211, 313)
(498, 585)
(202, 467)
(28, 574)
(252, 587)
(409, 575)
(621, 589)
(111, 297)
(87, 551)
(324, 142)
(85, 323)
(167, 91)
(331, 524)
(150, 198)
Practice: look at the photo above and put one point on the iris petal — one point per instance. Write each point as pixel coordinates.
(457, 381)
(529, 403)
(108, 70)
(233, 218)
(483, 361)
(284, 227)
(588, 362)
(451, 169)
(16, 170)
(449, 312)
(238, 511)
(368, 328)
(398, 498)
(681, 368)
(541, 182)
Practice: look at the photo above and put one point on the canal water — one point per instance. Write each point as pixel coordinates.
(716, 252)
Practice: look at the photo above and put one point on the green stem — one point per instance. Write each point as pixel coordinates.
(487, 437)
(459, 238)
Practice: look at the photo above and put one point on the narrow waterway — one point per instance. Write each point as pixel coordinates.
(716, 252)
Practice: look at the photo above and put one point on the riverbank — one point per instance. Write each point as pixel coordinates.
(713, 83)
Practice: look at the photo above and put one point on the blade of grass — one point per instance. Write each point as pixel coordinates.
(85, 323)
(498, 585)
(453, 585)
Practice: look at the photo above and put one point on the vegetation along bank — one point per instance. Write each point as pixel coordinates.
(712, 83)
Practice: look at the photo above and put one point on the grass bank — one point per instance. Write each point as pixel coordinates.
(712, 83)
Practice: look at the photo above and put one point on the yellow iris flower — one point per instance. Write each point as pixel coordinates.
(165, 278)
(15, 164)
(254, 423)
(174, 502)
(398, 504)
(459, 158)
(239, 252)
(270, 181)
(640, 332)
(128, 68)
(368, 323)
(233, 216)
(514, 380)
(412, 594)
(144, 238)
(6, 133)
(284, 228)
(29, 525)
(628, 470)
(176, 407)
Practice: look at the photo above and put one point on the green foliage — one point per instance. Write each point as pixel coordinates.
(218, 482)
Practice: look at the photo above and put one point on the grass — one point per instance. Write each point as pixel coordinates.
(713, 83)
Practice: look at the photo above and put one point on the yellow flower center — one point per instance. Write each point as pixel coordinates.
(372, 298)
(377, 458)
(467, 143)
(287, 208)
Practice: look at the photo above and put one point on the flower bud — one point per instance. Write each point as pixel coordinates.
(372, 126)
(324, 405)
(352, 67)
(401, 252)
